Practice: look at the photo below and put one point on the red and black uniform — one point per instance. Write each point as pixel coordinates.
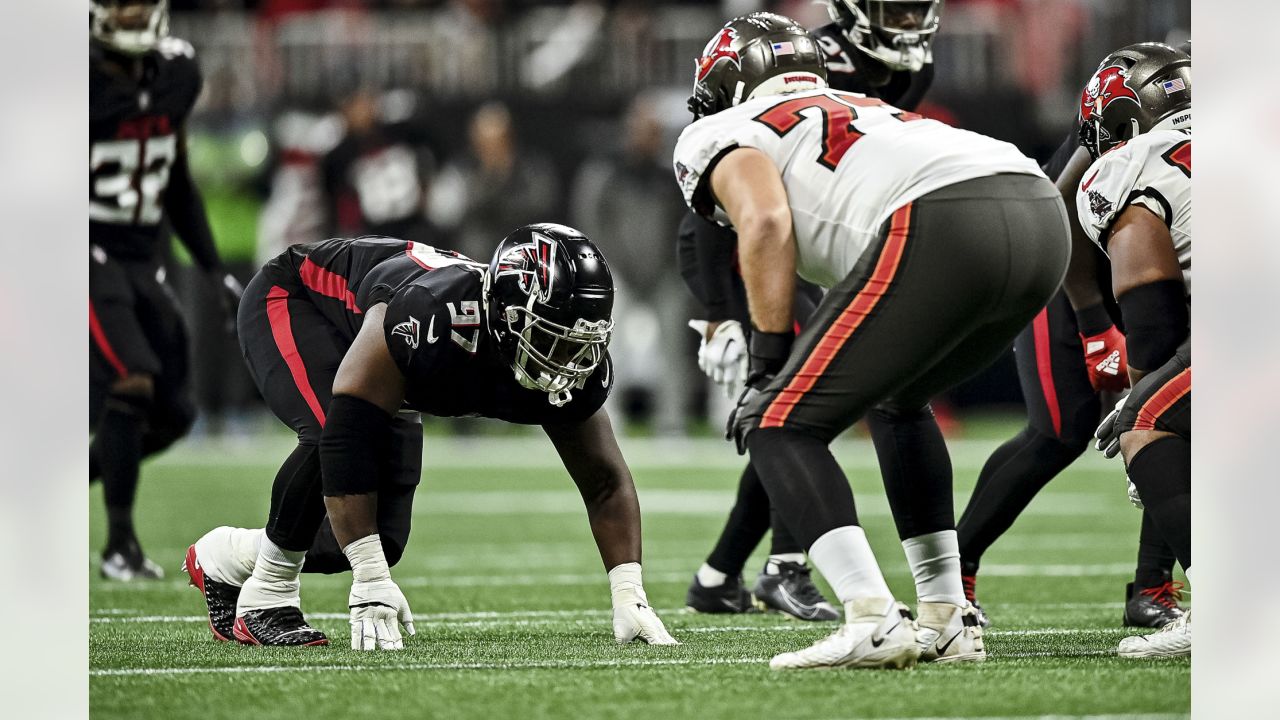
(140, 187)
(300, 315)
(376, 181)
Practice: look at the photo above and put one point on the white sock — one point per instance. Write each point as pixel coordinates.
(710, 577)
(935, 565)
(771, 566)
(844, 558)
(274, 582)
(228, 554)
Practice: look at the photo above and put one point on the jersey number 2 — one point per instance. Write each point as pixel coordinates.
(128, 177)
(838, 116)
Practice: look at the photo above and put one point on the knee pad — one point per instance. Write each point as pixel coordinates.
(392, 549)
(171, 420)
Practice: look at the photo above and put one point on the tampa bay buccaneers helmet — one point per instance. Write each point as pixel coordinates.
(898, 33)
(1136, 89)
(755, 55)
(129, 26)
(548, 297)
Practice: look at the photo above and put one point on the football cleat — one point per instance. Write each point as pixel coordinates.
(219, 597)
(127, 563)
(791, 591)
(877, 633)
(1172, 640)
(276, 627)
(970, 582)
(727, 598)
(949, 633)
(1153, 607)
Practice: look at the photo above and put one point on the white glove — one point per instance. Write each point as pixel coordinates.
(632, 616)
(1133, 494)
(724, 357)
(378, 608)
(1108, 434)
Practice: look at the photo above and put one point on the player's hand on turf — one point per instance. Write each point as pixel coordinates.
(639, 621)
(378, 608)
(723, 356)
(1107, 360)
(1108, 433)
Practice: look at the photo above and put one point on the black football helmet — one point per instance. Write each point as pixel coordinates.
(898, 33)
(1136, 89)
(132, 27)
(755, 55)
(548, 298)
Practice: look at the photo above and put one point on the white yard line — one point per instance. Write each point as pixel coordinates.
(561, 579)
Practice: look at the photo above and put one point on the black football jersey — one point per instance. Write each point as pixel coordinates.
(852, 70)
(133, 142)
(434, 327)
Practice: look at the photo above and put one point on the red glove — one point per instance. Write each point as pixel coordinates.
(1106, 360)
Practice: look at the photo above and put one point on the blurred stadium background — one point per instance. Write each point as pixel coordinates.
(452, 122)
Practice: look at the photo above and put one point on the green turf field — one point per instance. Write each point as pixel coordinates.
(512, 604)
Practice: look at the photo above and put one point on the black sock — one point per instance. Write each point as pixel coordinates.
(297, 501)
(784, 543)
(1155, 557)
(1162, 472)
(746, 526)
(1009, 481)
(804, 482)
(916, 469)
(118, 446)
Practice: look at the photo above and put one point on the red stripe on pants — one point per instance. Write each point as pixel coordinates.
(1044, 366)
(282, 331)
(327, 283)
(104, 346)
(1163, 399)
(864, 302)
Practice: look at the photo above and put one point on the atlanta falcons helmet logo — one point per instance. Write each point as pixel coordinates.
(1107, 85)
(533, 264)
(718, 49)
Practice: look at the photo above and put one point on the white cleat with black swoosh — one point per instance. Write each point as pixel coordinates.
(877, 633)
(949, 633)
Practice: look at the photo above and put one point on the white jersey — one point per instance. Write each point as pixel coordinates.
(847, 162)
(1152, 170)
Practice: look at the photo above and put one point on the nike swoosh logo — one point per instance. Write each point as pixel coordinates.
(942, 650)
(431, 331)
(1089, 182)
(877, 642)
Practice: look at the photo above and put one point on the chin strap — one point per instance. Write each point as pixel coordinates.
(559, 399)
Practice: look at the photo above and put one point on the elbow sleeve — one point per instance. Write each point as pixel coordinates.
(1156, 321)
(354, 446)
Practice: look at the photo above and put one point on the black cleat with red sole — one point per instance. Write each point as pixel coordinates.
(276, 627)
(219, 597)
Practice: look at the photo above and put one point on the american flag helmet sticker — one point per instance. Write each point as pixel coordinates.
(784, 48)
(1173, 86)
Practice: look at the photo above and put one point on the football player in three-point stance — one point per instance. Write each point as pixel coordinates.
(1063, 403)
(1135, 203)
(937, 246)
(142, 85)
(881, 48)
(349, 340)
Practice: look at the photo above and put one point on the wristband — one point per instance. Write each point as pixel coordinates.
(625, 585)
(769, 351)
(1093, 320)
(368, 563)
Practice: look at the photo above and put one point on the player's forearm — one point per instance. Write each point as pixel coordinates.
(615, 523)
(185, 208)
(356, 437)
(767, 256)
(352, 516)
(1081, 281)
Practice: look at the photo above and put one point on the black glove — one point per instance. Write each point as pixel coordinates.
(229, 292)
(768, 353)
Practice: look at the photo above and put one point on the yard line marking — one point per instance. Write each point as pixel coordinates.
(552, 579)
(530, 665)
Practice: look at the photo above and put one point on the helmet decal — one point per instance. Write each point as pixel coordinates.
(720, 48)
(534, 265)
(1107, 85)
